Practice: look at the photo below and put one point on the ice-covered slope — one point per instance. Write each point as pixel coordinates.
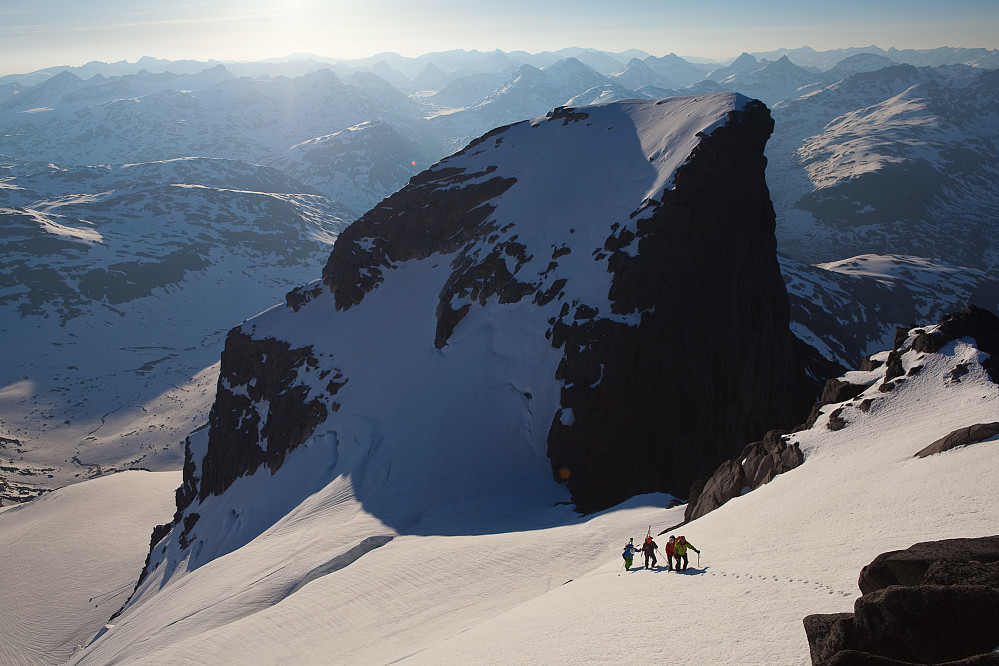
(545, 586)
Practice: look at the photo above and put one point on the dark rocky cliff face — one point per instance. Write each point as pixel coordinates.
(712, 365)
(241, 438)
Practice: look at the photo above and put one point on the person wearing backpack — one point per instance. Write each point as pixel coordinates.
(680, 549)
(629, 554)
(670, 552)
(649, 551)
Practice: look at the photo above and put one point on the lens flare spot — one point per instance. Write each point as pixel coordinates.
(564, 473)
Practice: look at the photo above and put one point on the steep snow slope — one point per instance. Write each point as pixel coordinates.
(69, 561)
(369, 401)
(546, 586)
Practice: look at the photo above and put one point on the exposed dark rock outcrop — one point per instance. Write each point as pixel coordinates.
(933, 603)
(909, 566)
(241, 439)
(712, 364)
(758, 463)
(961, 437)
(430, 215)
(834, 392)
(971, 322)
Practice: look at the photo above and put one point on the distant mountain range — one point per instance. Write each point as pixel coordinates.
(140, 198)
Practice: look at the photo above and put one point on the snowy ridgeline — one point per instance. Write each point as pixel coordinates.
(539, 585)
(874, 151)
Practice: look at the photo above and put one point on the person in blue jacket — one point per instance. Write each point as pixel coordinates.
(629, 554)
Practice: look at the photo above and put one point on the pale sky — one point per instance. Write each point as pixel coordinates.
(41, 33)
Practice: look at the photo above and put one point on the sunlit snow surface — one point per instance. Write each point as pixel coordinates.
(540, 586)
(69, 560)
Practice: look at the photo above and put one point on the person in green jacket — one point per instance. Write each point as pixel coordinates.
(680, 550)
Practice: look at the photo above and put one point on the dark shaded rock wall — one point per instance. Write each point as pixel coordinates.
(736, 476)
(241, 438)
(712, 365)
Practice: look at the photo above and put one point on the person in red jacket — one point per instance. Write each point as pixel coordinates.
(670, 550)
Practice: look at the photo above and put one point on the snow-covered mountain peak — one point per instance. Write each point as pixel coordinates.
(862, 62)
(664, 134)
(467, 328)
(570, 74)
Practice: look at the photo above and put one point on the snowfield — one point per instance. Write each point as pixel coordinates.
(508, 581)
(69, 560)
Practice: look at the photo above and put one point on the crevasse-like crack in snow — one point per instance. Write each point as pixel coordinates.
(339, 562)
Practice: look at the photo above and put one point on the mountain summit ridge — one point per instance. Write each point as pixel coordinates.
(487, 327)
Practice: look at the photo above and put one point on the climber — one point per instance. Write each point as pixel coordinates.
(681, 552)
(629, 554)
(649, 551)
(670, 551)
